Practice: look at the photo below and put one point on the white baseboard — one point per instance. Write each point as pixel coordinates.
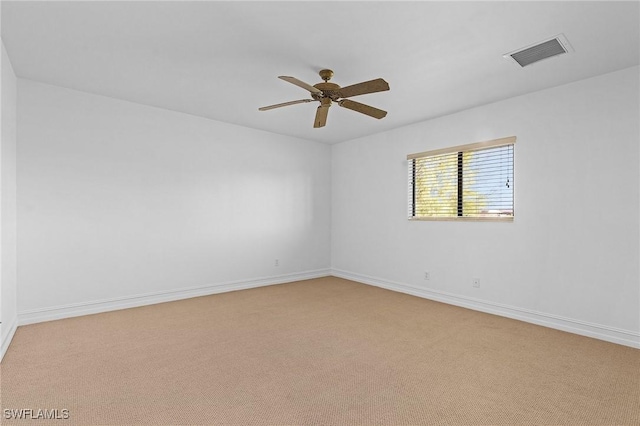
(8, 336)
(97, 306)
(597, 331)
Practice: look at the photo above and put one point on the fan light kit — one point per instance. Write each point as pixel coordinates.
(326, 93)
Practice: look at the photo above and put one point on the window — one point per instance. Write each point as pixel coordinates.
(469, 182)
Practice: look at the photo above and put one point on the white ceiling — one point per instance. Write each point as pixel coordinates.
(221, 59)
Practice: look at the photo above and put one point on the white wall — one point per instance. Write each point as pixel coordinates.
(121, 204)
(570, 258)
(8, 284)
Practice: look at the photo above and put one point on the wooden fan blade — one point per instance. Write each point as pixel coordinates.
(321, 116)
(266, 108)
(372, 86)
(299, 83)
(362, 108)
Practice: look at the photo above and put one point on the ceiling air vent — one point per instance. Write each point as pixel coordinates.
(539, 51)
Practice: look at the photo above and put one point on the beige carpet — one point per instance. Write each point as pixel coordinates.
(325, 351)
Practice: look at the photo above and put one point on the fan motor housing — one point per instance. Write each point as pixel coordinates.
(329, 90)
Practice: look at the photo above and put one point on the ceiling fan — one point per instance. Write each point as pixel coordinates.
(326, 93)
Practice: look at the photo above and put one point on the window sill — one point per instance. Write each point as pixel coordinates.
(464, 219)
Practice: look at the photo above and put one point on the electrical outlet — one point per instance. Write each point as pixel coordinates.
(427, 276)
(276, 262)
(476, 282)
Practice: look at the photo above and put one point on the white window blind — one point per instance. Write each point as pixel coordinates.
(469, 182)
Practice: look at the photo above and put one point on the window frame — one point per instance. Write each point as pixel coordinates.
(460, 149)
